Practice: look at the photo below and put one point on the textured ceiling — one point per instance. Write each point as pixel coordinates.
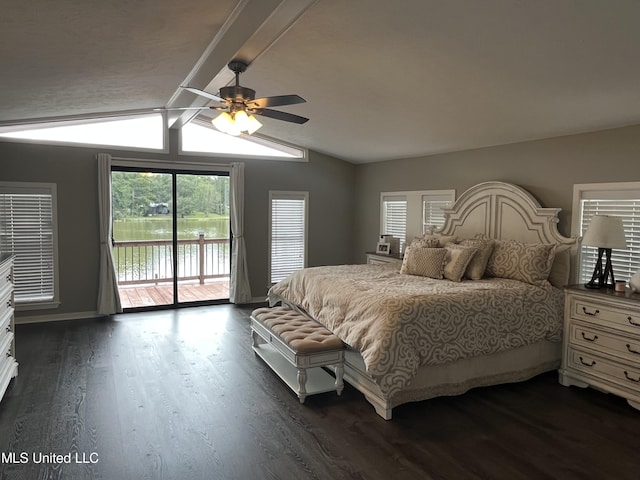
(382, 80)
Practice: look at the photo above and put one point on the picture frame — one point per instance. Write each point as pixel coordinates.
(383, 248)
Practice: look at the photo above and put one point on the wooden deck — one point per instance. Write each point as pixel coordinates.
(132, 296)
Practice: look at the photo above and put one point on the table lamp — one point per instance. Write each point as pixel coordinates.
(605, 232)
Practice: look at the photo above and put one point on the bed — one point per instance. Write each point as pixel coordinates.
(412, 335)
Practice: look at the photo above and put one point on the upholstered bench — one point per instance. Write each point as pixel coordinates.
(296, 347)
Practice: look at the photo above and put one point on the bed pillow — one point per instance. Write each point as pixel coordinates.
(457, 259)
(478, 264)
(526, 262)
(425, 262)
(561, 268)
(441, 239)
(422, 242)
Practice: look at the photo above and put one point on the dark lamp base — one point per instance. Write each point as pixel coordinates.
(602, 278)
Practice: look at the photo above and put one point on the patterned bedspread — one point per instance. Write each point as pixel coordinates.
(400, 322)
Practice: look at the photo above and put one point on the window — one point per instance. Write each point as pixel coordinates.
(394, 217)
(202, 137)
(407, 214)
(618, 199)
(288, 233)
(28, 230)
(433, 205)
(136, 131)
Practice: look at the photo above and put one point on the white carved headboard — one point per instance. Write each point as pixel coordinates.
(503, 211)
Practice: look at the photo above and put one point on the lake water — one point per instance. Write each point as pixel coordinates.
(152, 262)
(160, 228)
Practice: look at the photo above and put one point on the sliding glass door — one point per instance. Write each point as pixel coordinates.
(203, 234)
(171, 237)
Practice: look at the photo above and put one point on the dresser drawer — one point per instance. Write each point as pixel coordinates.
(606, 369)
(5, 322)
(5, 345)
(5, 272)
(608, 343)
(6, 298)
(600, 313)
(375, 259)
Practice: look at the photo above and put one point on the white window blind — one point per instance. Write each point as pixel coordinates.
(407, 214)
(433, 206)
(288, 242)
(394, 217)
(28, 231)
(625, 262)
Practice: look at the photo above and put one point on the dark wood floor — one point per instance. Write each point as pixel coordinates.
(180, 395)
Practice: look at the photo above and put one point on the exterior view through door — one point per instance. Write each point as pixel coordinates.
(157, 213)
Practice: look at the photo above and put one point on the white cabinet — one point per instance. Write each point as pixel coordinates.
(602, 341)
(8, 364)
(374, 258)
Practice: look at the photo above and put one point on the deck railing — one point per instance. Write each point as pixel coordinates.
(151, 261)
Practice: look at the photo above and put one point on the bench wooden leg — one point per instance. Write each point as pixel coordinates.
(254, 339)
(339, 374)
(302, 381)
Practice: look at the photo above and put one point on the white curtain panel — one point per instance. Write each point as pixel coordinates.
(108, 297)
(239, 288)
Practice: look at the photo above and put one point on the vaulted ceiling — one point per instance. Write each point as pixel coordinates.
(382, 80)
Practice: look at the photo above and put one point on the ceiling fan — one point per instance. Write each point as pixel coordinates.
(239, 105)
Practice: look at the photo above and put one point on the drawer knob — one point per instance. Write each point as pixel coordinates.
(630, 320)
(626, 374)
(595, 337)
(586, 364)
(591, 314)
(631, 350)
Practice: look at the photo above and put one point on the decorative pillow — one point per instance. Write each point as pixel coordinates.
(561, 267)
(527, 262)
(422, 242)
(425, 262)
(457, 259)
(478, 264)
(441, 239)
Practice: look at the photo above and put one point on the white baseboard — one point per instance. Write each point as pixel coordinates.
(259, 299)
(87, 315)
(56, 318)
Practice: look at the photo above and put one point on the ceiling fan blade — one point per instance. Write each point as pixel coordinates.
(202, 93)
(164, 109)
(287, 117)
(276, 101)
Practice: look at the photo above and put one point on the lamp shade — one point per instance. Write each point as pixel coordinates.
(605, 231)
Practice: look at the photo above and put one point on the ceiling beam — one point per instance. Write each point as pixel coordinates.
(250, 30)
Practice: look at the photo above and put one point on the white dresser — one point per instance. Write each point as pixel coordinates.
(375, 258)
(602, 341)
(8, 364)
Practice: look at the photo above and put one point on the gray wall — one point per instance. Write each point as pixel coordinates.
(546, 168)
(344, 199)
(74, 170)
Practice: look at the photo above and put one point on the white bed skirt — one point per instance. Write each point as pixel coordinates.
(457, 377)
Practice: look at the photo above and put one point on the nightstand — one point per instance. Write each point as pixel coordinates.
(601, 344)
(377, 259)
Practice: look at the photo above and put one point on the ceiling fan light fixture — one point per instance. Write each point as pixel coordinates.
(223, 122)
(246, 123)
(236, 123)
